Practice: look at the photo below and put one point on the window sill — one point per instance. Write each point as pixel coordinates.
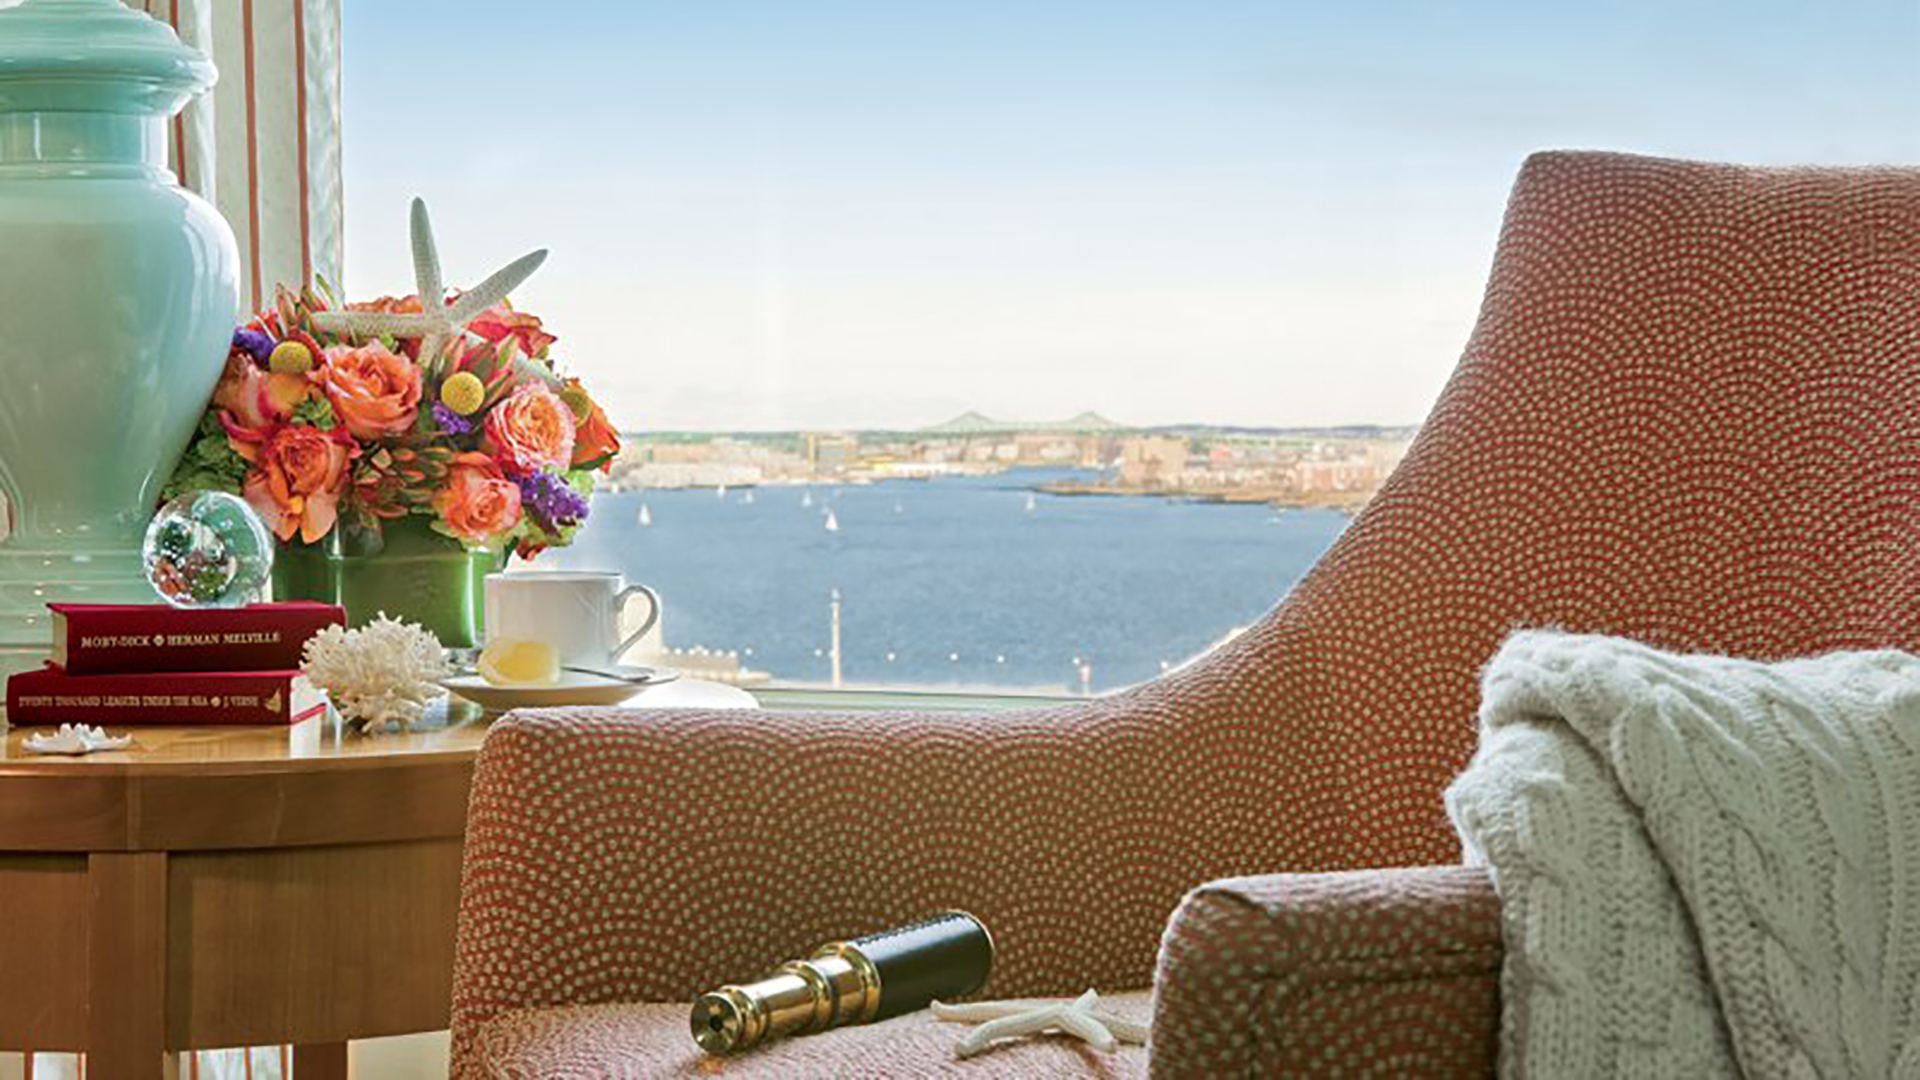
(889, 700)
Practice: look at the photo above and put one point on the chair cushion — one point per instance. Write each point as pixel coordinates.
(651, 1040)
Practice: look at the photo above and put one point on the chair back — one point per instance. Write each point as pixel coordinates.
(1689, 414)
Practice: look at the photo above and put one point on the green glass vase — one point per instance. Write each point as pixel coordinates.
(417, 576)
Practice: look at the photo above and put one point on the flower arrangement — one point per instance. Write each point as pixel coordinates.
(324, 429)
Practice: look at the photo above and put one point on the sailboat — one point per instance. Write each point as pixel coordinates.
(747, 497)
(833, 523)
(720, 491)
(646, 517)
(806, 498)
(1032, 502)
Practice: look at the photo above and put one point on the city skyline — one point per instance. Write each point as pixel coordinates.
(873, 216)
(1021, 425)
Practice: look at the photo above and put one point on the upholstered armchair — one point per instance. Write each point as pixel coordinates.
(1690, 414)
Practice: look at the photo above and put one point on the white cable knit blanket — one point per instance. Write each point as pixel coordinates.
(1706, 867)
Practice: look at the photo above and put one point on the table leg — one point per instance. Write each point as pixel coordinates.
(127, 966)
(320, 1061)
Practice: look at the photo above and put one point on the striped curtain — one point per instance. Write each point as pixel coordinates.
(261, 1063)
(264, 146)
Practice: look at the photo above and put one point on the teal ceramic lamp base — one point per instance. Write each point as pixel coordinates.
(118, 292)
(33, 575)
(31, 578)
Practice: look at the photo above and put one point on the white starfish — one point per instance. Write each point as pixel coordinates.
(76, 739)
(1006, 1019)
(437, 320)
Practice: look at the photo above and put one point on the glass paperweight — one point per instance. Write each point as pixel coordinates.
(208, 549)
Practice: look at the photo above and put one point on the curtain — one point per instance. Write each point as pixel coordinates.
(260, 1063)
(264, 147)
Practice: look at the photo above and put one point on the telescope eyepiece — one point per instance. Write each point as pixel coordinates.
(721, 1020)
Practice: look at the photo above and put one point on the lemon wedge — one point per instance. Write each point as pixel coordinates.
(519, 663)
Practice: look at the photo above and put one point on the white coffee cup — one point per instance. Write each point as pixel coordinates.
(575, 611)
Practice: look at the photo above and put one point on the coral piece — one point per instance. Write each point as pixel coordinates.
(382, 673)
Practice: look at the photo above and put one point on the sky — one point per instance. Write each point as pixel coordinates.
(775, 214)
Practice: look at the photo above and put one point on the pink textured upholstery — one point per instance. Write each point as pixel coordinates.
(1368, 973)
(651, 1041)
(1690, 413)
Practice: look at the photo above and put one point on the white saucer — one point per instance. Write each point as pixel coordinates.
(574, 688)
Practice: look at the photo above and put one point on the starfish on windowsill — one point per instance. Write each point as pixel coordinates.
(1007, 1019)
(437, 320)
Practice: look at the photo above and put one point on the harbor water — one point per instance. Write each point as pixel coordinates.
(956, 581)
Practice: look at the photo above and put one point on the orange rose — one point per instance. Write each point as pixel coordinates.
(594, 439)
(297, 476)
(500, 322)
(530, 430)
(478, 502)
(375, 392)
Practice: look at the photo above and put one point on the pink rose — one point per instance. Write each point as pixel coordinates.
(530, 430)
(478, 502)
(375, 392)
(500, 322)
(254, 399)
(297, 476)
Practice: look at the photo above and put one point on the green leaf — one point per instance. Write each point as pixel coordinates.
(315, 410)
(210, 463)
(533, 370)
(184, 481)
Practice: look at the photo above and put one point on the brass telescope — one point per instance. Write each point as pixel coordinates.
(848, 982)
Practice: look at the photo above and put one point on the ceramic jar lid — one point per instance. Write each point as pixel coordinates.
(95, 56)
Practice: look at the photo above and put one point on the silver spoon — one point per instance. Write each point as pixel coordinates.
(628, 673)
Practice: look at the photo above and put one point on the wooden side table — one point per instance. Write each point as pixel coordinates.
(215, 887)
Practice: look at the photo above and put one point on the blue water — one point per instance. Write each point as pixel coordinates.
(954, 577)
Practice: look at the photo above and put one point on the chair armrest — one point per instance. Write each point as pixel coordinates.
(1380, 972)
(622, 855)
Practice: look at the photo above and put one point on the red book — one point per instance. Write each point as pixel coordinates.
(92, 639)
(53, 696)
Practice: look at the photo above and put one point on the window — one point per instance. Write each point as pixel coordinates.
(1188, 251)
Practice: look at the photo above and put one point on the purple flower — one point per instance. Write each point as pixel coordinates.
(552, 503)
(451, 422)
(256, 344)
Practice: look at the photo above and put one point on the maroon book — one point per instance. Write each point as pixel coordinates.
(93, 639)
(53, 696)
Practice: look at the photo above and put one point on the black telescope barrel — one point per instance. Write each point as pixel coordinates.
(942, 957)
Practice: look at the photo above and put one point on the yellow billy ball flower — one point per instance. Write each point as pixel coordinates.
(290, 358)
(462, 392)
